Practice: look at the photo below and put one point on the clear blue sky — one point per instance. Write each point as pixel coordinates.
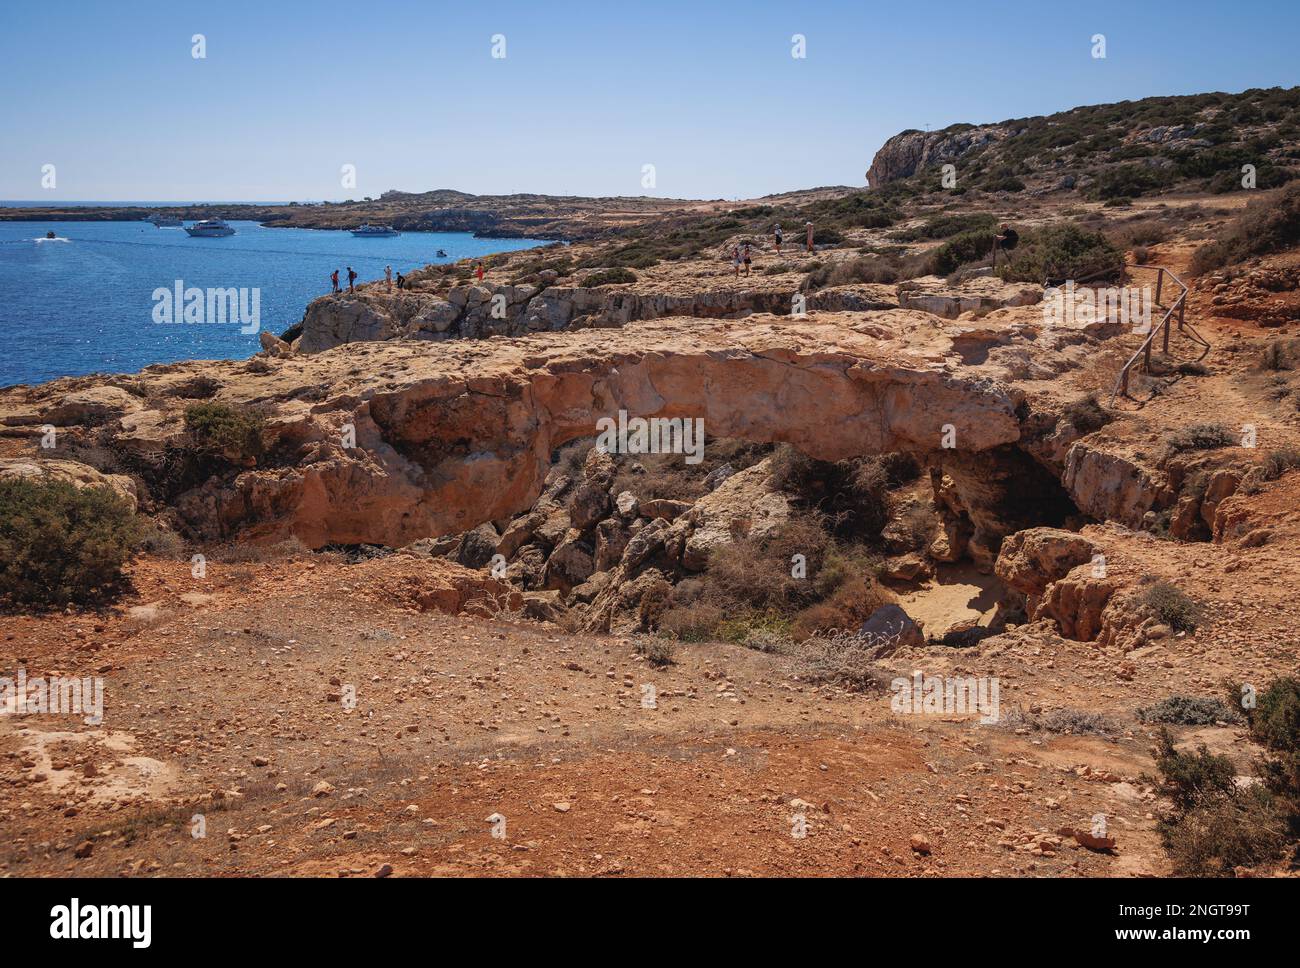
(588, 93)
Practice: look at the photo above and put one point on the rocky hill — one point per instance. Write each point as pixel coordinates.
(1110, 151)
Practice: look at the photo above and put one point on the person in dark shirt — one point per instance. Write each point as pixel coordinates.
(1006, 240)
(352, 277)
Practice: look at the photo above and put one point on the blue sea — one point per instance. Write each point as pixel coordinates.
(83, 303)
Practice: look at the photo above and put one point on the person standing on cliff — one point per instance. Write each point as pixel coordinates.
(388, 277)
(735, 259)
(334, 279)
(352, 277)
(478, 271)
(746, 256)
(810, 236)
(776, 232)
(1006, 240)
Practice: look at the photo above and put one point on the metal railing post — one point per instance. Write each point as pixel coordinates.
(1160, 282)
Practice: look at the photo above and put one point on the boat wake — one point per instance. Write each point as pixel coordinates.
(57, 238)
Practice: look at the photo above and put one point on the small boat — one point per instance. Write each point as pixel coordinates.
(442, 254)
(167, 222)
(210, 228)
(50, 235)
(369, 231)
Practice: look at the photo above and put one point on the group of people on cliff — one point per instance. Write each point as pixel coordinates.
(352, 279)
(742, 253)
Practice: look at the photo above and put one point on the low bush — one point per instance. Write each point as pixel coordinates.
(961, 249)
(610, 277)
(696, 622)
(1087, 414)
(844, 658)
(1130, 181)
(851, 604)
(1215, 825)
(1201, 437)
(756, 573)
(864, 269)
(1191, 779)
(1060, 252)
(1274, 723)
(226, 431)
(1065, 721)
(1214, 839)
(1266, 226)
(1172, 606)
(1189, 711)
(1281, 354)
(61, 544)
(1279, 461)
(946, 226)
(659, 652)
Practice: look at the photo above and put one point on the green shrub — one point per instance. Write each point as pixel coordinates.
(61, 544)
(946, 226)
(1216, 826)
(610, 277)
(1172, 606)
(1061, 252)
(226, 431)
(1190, 780)
(1130, 181)
(763, 631)
(1275, 724)
(1214, 839)
(1267, 225)
(1189, 711)
(963, 248)
(868, 269)
(1201, 437)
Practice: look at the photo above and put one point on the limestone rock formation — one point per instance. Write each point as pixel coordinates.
(908, 152)
(744, 504)
(68, 470)
(448, 437)
(932, 294)
(1031, 560)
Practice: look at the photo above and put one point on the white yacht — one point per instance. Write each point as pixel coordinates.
(210, 228)
(369, 231)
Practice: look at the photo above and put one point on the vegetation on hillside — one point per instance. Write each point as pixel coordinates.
(61, 544)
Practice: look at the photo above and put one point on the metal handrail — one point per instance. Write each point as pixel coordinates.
(1179, 306)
